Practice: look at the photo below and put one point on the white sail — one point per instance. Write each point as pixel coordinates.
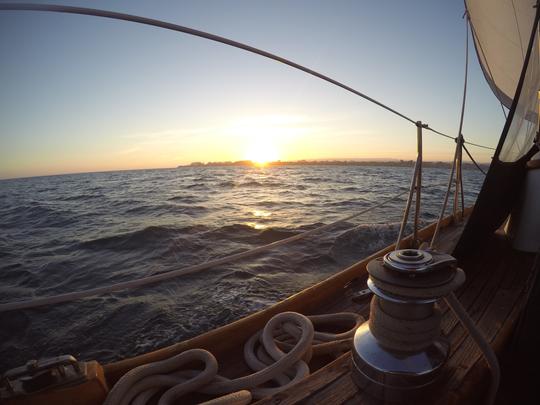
(501, 31)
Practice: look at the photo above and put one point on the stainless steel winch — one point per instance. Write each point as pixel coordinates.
(398, 355)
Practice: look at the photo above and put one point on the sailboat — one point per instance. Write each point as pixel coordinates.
(437, 317)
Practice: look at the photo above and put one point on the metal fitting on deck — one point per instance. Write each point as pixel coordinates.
(398, 355)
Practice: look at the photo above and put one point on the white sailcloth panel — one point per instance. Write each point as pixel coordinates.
(524, 126)
(501, 32)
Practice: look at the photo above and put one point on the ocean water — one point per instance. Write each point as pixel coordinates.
(72, 232)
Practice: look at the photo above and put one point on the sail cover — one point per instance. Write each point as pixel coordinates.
(502, 31)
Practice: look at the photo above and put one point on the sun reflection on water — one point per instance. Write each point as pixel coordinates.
(261, 213)
(256, 225)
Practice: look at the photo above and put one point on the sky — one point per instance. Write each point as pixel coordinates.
(82, 94)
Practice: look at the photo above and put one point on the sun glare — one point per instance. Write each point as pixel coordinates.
(265, 137)
(262, 152)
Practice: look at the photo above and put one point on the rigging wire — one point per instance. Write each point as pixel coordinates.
(461, 184)
(464, 99)
(211, 37)
(445, 200)
(462, 115)
(438, 133)
(459, 144)
(459, 168)
(455, 138)
(474, 161)
(194, 32)
(479, 146)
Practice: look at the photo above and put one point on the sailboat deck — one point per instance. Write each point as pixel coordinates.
(496, 280)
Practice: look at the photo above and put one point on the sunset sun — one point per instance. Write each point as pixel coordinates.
(261, 152)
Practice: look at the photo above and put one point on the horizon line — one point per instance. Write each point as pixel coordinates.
(240, 163)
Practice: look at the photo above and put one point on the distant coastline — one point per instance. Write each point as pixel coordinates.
(392, 163)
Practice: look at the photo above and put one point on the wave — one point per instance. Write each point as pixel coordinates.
(122, 204)
(282, 203)
(46, 189)
(197, 186)
(187, 199)
(274, 234)
(227, 184)
(81, 197)
(356, 242)
(314, 179)
(357, 202)
(270, 204)
(143, 238)
(37, 216)
(164, 209)
(94, 188)
(4, 254)
(254, 183)
(247, 234)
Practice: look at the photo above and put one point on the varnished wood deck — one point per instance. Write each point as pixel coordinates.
(492, 295)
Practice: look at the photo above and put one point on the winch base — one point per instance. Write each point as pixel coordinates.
(397, 376)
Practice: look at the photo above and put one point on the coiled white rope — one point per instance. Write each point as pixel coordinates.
(278, 353)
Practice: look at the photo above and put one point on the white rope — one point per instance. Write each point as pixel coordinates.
(71, 296)
(280, 352)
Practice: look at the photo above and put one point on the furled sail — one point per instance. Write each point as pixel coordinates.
(502, 32)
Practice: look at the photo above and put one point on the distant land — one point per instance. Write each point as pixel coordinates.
(394, 163)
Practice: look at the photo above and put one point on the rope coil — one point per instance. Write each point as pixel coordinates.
(263, 353)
